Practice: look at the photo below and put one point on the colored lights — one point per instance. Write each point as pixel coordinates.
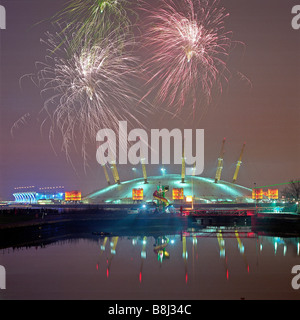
(138, 194)
(177, 194)
(189, 199)
(272, 194)
(46, 195)
(259, 194)
(203, 190)
(73, 196)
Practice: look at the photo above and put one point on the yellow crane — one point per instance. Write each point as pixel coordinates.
(238, 165)
(220, 163)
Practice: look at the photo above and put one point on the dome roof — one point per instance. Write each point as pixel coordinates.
(203, 189)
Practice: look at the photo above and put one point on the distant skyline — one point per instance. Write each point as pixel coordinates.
(265, 115)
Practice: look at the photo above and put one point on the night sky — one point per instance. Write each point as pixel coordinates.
(265, 115)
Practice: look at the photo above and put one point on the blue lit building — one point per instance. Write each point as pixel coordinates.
(32, 197)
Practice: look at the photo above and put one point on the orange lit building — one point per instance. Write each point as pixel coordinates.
(259, 194)
(137, 194)
(273, 194)
(73, 196)
(177, 194)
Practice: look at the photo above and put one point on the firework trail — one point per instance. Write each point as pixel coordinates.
(87, 90)
(95, 19)
(187, 49)
(20, 122)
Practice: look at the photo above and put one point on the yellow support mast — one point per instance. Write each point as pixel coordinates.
(220, 163)
(238, 165)
(106, 175)
(144, 167)
(183, 169)
(144, 170)
(115, 172)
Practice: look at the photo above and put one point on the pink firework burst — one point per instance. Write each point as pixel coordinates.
(187, 48)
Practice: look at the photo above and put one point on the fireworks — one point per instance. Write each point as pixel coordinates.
(188, 47)
(86, 78)
(88, 90)
(94, 19)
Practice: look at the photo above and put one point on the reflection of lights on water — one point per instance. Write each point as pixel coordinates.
(275, 247)
(172, 241)
(144, 241)
(260, 247)
(184, 255)
(134, 242)
(298, 248)
(284, 250)
(242, 249)
(143, 254)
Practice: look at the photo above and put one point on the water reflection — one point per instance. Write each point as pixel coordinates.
(165, 248)
(212, 262)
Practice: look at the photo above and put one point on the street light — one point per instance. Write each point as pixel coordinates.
(163, 170)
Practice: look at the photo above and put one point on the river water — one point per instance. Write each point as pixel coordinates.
(209, 263)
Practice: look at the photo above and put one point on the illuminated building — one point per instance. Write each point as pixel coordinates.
(137, 194)
(259, 194)
(46, 195)
(201, 190)
(73, 196)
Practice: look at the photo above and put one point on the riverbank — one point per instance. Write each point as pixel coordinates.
(37, 226)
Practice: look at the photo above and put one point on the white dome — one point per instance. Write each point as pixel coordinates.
(202, 189)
